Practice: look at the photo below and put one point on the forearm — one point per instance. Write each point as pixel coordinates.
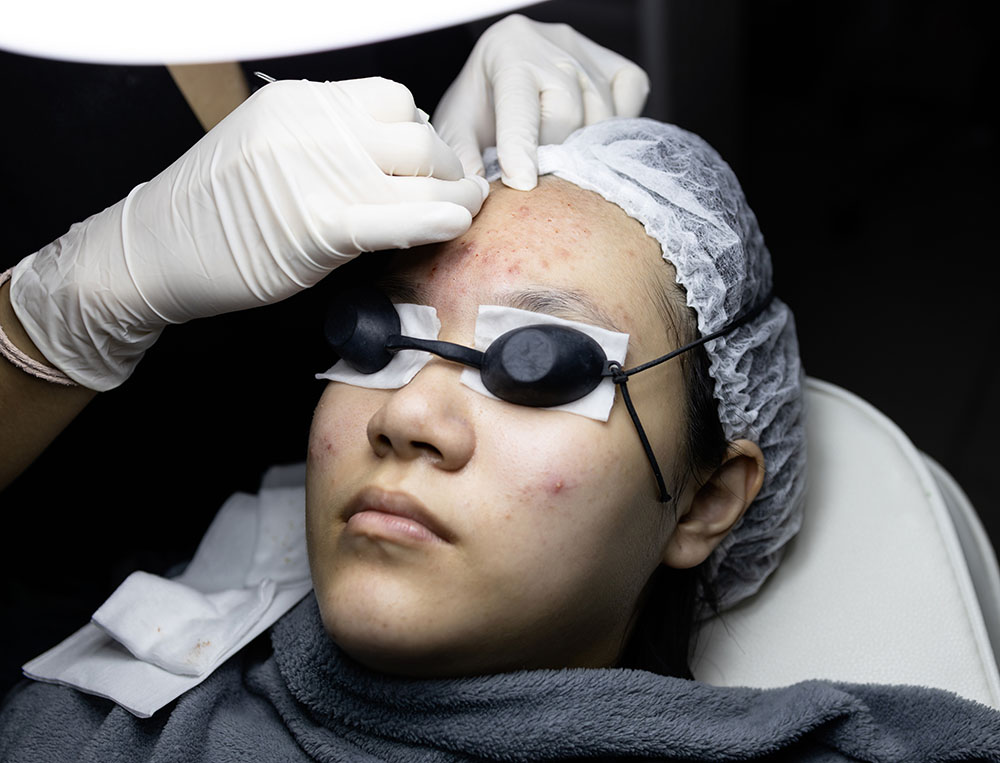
(32, 411)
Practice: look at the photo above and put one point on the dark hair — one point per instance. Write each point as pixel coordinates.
(663, 635)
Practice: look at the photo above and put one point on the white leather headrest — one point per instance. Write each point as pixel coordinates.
(875, 588)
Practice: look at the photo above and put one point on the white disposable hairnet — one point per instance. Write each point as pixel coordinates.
(690, 201)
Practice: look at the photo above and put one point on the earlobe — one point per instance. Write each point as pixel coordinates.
(717, 506)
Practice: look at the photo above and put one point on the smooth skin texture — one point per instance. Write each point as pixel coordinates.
(548, 523)
(32, 411)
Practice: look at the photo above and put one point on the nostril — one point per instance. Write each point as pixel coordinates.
(428, 447)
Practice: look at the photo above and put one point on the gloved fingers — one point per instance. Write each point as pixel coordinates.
(469, 192)
(409, 148)
(384, 99)
(461, 138)
(628, 84)
(375, 227)
(518, 120)
(562, 106)
(468, 151)
(598, 103)
(629, 89)
(464, 116)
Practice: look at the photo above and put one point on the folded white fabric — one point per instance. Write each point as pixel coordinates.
(178, 627)
(156, 638)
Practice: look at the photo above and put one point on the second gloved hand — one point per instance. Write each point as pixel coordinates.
(299, 179)
(528, 83)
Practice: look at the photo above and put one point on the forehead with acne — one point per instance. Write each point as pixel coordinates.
(556, 234)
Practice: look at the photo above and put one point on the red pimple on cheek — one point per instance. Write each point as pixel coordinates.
(319, 448)
(556, 484)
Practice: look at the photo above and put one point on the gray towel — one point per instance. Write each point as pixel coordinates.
(308, 701)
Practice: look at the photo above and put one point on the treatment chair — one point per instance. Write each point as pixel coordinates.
(891, 579)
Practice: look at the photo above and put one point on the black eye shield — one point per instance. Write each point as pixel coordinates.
(541, 365)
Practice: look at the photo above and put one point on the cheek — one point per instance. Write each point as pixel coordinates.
(559, 479)
(339, 424)
(575, 527)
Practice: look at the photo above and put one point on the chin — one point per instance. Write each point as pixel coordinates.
(390, 651)
(383, 634)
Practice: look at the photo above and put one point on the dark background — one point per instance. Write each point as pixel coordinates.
(861, 134)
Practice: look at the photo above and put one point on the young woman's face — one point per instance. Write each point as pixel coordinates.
(531, 533)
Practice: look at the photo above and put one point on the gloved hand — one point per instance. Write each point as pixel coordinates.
(299, 179)
(528, 83)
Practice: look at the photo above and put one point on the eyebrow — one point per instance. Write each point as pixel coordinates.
(562, 303)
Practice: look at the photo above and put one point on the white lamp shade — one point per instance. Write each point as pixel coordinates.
(206, 31)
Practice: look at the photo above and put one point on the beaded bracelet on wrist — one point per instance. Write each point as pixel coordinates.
(22, 361)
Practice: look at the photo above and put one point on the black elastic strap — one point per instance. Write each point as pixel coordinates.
(746, 317)
(447, 350)
(620, 378)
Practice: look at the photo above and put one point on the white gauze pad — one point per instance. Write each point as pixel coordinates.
(417, 321)
(494, 321)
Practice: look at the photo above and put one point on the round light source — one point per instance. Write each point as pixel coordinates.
(207, 31)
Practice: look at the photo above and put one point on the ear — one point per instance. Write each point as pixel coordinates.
(716, 506)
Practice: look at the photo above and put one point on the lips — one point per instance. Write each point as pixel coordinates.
(394, 513)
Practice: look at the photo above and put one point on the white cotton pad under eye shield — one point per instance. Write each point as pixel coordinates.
(421, 322)
(417, 321)
(494, 321)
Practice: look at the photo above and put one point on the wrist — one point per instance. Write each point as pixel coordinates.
(76, 301)
(12, 327)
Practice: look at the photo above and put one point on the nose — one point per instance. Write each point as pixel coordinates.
(427, 418)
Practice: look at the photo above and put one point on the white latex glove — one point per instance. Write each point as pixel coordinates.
(299, 179)
(528, 83)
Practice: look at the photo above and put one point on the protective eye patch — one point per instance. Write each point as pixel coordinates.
(520, 356)
(367, 363)
(545, 361)
(526, 358)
